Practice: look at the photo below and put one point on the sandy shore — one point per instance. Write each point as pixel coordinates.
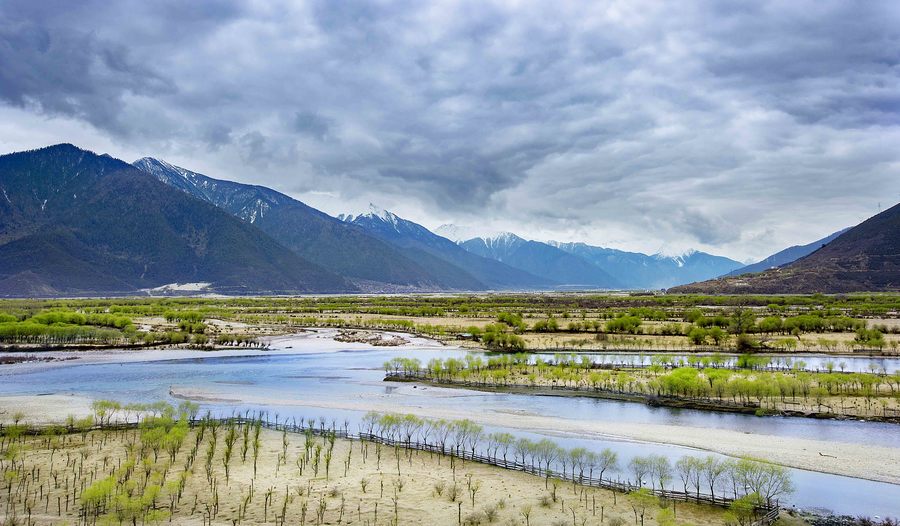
(40, 409)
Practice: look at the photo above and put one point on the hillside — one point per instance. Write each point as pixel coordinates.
(342, 247)
(77, 223)
(786, 256)
(864, 258)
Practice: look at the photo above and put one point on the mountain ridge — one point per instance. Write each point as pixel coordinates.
(541, 260)
(312, 234)
(419, 243)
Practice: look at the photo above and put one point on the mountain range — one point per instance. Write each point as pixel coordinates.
(543, 260)
(342, 247)
(579, 265)
(422, 245)
(76, 223)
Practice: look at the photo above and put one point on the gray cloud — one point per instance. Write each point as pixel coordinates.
(738, 128)
(63, 71)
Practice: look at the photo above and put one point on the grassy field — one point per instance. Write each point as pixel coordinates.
(842, 324)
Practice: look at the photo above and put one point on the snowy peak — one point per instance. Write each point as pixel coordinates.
(248, 202)
(461, 233)
(503, 241)
(680, 260)
(158, 167)
(373, 213)
(388, 224)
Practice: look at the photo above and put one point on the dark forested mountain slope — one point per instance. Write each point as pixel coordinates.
(329, 242)
(79, 223)
(864, 258)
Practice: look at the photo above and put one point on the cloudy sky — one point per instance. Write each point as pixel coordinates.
(733, 127)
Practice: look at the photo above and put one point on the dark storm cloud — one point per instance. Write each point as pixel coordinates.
(638, 124)
(311, 123)
(58, 70)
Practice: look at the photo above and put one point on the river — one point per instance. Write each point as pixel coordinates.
(339, 384)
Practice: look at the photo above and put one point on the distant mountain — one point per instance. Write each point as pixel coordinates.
(459, 233)
(786, 256)
(341, 247)
(470, 271)
(76, 223)
(642, 271)
(864, 258)
(542, 260)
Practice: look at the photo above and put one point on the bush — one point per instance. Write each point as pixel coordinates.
(869, 338)
(746, 343)
(697, 336)
(548, 325)
(473, 519)
(624, 324)
(491, 513)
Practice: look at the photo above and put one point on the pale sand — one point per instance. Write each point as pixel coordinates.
(417, 501)
(867, 462)
(41, 409)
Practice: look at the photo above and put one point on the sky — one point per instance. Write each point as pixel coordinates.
(738, 128)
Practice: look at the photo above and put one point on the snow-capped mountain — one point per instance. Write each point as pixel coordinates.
(76, 223)
(542, 260)
(459, 233)
(248, 202)
(441, 254)
(388, 225)
(657, 271)
(325, 240)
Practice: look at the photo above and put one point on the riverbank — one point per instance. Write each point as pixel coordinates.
(721, 406)
(309, 341)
